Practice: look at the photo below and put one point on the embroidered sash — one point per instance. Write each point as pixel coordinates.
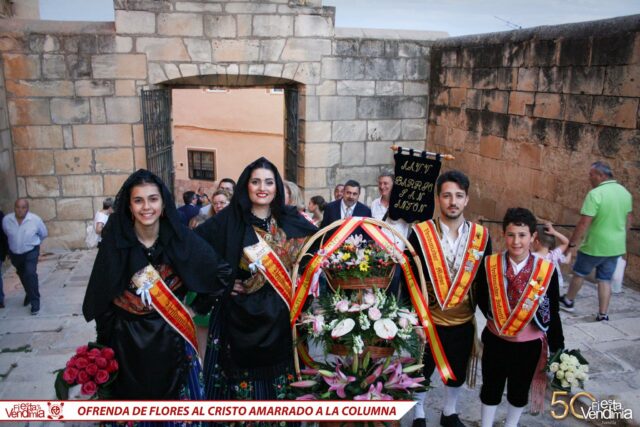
(417, 299)
(265, 260)
(510, 322)
(450, 292)
(153, 291)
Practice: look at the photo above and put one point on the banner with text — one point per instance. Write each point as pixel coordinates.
(413, 187)
(181, 410)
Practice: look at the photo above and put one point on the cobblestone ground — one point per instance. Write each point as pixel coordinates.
(32, 347)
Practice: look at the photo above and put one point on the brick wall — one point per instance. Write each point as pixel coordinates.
(526, 113)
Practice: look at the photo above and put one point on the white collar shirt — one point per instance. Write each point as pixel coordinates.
(24, 237)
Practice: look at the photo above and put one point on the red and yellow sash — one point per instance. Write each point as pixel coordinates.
(417, 299)
(265, 260)
(510, 322)
(449, 293)
(304, 284)
(153, 290)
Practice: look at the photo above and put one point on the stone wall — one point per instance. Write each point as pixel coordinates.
(8, 185)
(73, 92)
(526, 113)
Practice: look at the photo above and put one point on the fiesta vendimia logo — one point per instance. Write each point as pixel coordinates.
(601, 410)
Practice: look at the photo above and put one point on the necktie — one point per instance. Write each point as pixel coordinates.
(347, 214)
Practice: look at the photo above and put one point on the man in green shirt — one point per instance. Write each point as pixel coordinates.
(605, 217)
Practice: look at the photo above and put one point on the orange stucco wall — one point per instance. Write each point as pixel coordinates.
(239, 124)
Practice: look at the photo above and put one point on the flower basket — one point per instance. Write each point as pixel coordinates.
(376, 352)
(359, 284)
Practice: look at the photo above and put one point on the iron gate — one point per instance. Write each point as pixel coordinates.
(291, 134)
(156, 119)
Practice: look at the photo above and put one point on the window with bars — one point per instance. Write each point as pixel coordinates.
(202, 165)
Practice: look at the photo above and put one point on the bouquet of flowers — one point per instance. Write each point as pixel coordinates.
(350, 379)
(94, 367)
(569, 368)
(358, 258)
(360, 321)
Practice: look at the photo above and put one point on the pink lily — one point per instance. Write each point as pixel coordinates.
(303, 383)
(374, 393)
(338, 382)
(307, 397)
(374, 375)
(401, 381)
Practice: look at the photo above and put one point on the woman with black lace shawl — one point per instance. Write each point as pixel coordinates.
(155, 361)
(250, 349)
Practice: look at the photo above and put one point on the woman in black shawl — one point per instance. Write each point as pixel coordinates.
(250, 349)
(155, 361)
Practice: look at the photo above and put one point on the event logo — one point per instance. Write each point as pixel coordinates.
(25, 411)
(607, 411)
(55, 410)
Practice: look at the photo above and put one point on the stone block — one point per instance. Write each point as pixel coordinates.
(29, 112)
(114, 160)
(313, 26)
(100, 136)
(353, 154)
(98, 112)
(34, 137)
(125, 88)
(520, 102)
(587, 80)
(186, 70)
(140, 158)
(554, 79)
(138, 135)
(527, 79)
(414, 88)
(79, 66)
(69, 162)
(113, 182)
(578, 108)
(457, 96)
(156, 73)
(44, 208)
(82, 185)
(378, 153)
(365, 175)
(384, 69)
(389, 88)
(274, 70)
(506, 78)
(578, 137)
(348, 130)
(172, 71)
(66, 234)
(491, 146)
(271, 49)
(320, 154)
(135, 22)
(42, 186)
(119, 66)
(384, 130)
(328, 87)
(188, 6)
(199, 49)
(220, 26)
(17, 66)
(243, 24)
(612, 50)
(40, 88)
(615, 111)
(345, 47)
(317, 131)
(496, 100)
(74, 208)
(530, 155)
(418, 69)
(235, 50)
(123, 109)
(484, 78)
(33, 162)
(392, 107)
(162, 49)
(574, 52)
(122, 45)
(54, 67)
(308, 73)
(342, 68)
(337, 107)
(43, 43)
(312, 178)
(70, 110)
(549, 105)
(180, 24)
(297, 49)
(250, 7)
(622, 81)
(67, 136)
(356, 87)
(94, 87)
(473, 99)
(414, 129)
(272, 25)
(547, 132)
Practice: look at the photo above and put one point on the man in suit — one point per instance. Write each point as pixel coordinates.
(347, 206)
(189, 210)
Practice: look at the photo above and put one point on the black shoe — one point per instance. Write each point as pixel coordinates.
(419, 422)
(451, 421)
(1, 305)
(566, 304)
(34, 312)
(26, 301)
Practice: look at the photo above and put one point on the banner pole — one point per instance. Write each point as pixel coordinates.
(421, 153)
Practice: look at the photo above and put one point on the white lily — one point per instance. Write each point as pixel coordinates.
(385, 328)
(342, 328)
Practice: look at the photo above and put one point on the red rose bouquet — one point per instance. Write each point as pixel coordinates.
(93, 367)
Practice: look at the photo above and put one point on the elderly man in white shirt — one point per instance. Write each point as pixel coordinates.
(25, 231)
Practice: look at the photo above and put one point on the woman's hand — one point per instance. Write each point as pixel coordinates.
(238, 288)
